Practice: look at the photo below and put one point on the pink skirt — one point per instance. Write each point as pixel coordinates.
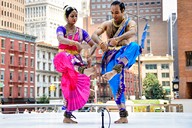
(75, 86)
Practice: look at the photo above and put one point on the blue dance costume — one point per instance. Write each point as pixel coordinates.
(112, 57)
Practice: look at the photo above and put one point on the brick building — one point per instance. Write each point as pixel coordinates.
(17, 67)
(185, 48)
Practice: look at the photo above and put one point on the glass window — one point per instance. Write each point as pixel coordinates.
(11, 75)
(2, 75)
(165, 75)
(20, 46)
(31, 77)
(188, 55)
(2, 58)
(164, 66)
(19, 91)
(2, 43)
(150, 66)
(165, 83)
(31, 92)
(12, 60)
(25, 91)
(12, 44)
(26, 76)
(11, 91)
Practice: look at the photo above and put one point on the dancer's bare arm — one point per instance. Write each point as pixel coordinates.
(96, 36)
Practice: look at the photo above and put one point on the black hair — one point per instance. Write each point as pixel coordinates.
(121, 5)
(68, 10)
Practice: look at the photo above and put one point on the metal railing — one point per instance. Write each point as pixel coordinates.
(110, 107)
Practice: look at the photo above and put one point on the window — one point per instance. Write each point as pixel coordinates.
(20, 61)
(165, 75)
(49, 79)
(49, 66)
(44, 64)
(12, 44)
(31, 77)
(38, 54)
(49, 55)
(38, 91)
(55, 78)
(165, 83)
(11, 59)
(188, 55)
(26, 61)
(11, 91)
(2, 43)
(11, 75)
(26, 47)
(20, 47)
(26, 76)
(2, 58)
(25, 91)
(38, 78)
(43, 78)
(150, 66)
(31, 92)
(19, 91)
(20, 76)
(32, 49)
(164, 66)
(2, 75)
(32, 62)
(38, 65)
(43, 54)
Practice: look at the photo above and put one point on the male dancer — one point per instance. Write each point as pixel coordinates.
(119, 53)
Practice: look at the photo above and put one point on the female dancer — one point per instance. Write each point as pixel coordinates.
(75, 84)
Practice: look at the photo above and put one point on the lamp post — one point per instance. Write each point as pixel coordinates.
(138, 94)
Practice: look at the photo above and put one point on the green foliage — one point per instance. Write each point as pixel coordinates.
(44, 99)
(151, 87)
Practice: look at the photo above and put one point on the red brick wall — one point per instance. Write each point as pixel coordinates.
(184, 44)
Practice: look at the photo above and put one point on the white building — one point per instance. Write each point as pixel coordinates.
(42, 17)
(46, 74)
(162, 67)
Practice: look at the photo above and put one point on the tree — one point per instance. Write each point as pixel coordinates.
(152, 88)
(44, 99)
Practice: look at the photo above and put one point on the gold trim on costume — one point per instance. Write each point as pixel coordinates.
(69, 51)
(114, 48)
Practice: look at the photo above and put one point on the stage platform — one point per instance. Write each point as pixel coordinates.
(94, 120)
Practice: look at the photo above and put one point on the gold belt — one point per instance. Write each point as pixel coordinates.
(69, 51)
(114, 48)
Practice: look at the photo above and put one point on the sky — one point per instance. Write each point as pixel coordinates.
(169, 6)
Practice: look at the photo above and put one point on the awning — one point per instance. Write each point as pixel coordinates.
(2, 85)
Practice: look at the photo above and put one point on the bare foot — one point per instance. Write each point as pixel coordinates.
(121, 120)
(90, 71)
(69, 120)
(109, 75)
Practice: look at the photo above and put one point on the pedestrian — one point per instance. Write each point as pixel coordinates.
(75, 81)
(119, 53)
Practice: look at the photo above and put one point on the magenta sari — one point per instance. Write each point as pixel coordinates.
(75, 86)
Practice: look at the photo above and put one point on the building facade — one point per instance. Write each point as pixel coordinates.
(17, 67)
(185, 48)
(162, 68)
(12, 15)
(42, 18)
(45, 72)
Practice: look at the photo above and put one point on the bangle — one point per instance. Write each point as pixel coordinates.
(116, 40)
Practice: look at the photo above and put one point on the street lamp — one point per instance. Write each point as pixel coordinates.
(138, 39)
